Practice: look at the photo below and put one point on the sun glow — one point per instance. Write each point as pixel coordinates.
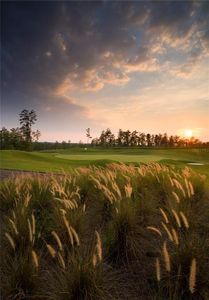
(188, 133)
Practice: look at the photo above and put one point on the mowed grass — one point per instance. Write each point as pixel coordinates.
(58, 160)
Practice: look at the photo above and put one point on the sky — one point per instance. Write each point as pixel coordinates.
(137, 65)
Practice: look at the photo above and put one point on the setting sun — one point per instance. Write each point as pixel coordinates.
(188, 133)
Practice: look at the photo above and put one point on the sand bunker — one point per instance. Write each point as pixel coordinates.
(195, 164)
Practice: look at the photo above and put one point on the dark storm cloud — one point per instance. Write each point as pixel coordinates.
(50, 47)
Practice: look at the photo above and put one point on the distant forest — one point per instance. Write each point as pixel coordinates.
(15, 139)
(134, 138)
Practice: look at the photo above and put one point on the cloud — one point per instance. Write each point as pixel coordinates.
(88, 45)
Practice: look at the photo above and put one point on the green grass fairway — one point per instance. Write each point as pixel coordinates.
(57, 160)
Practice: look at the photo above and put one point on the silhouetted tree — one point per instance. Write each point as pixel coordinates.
(27, 119)
(134, 138)
(148, 137)
(88, 135)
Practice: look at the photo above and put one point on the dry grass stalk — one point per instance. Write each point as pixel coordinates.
(10, 239)
(33, 224)
(182, 190)
(171, 182)
(30, 231)
(176, 218)
(75, 235)
(175, 236)
(14, 215)
(192, 276)
(13, 226)
(164, 215)
(167, 231)
(154, 229)
(94, 260)
(61, 260)
(51, 250)
(187, 187)
(176, 197)
(179, 186)
(62, 211)
(116, 188)
(128, 190)
(184, 219)
(157, 265)
(68, 230)
(191, 188)
(166, 257)
(27, 200)
(57, 239)
(35, 259)
(98, 246)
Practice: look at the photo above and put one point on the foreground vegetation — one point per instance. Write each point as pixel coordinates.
(119, 232)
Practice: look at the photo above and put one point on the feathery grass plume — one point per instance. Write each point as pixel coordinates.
(109, 195)
(176, 218)
(171, 181)
(96, 181)
(157, 266)
(61, 260)
(68, 230)
(30, 231)
(102, 176)
(164, 215)
(184, 219)
(167, 231)
(182, 190)
(75, 235)
(176, 197)
(62, 211)
(57, 239)
(116, 188)
(192, 275)
(140, 171)
(14, 215)
(35, 259)
(74, 200)
(27, 200)
(186, 172)
(94, 260)
(33, 224)
(13, 226)
(187, 187)
(166, 257)
(51, 250)
(175, 236)
(157, 177)
(10, 239)
(154, 229)
(191, 188)
(128, 190)
(110, 175)
(179, 186)
(98, 245)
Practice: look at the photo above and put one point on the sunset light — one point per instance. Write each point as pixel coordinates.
(188, 133)
(145, 62)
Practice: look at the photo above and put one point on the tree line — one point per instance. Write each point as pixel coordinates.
(23, 137)
(127, 138)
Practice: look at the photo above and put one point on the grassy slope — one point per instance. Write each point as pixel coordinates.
(54, 161)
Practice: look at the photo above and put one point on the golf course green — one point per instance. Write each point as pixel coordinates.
(58, 160)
